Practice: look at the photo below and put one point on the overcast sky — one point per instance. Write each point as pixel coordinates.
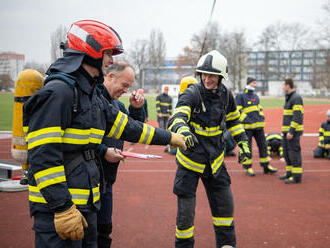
(26, 25)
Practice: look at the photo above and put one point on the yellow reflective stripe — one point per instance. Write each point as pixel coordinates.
(207, 131)
(164, 104)
(184, 234)
(298, 107)
(250, 109)
(183, 129)
(248, 162)
(242, 117)
(232, 115)
(183, 109)
(296, 170)
(44, 136)
(287, 112)
(50, 176)
(176, 121)
(235, 130)
(188, 163)
(118, 126)
(254, 125)
(35, 195)
(239, 107)
(285, 128)
(296, 126)
(82, 136)
(223, 221)
(96, 193)
(288, 168)
(147, 134)
(264, 160)
(273, 136)
(326, 133)
(79, 196)
(217, 163)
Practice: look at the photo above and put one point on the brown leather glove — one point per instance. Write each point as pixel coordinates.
(178, 140)
(70, 224)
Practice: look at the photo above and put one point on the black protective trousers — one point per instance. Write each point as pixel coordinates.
(259, 136)
(292, 156)
(217, 187)
(162, 122)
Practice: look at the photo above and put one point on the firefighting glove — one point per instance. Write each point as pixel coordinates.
(70, 224)
(178, 140)
(244, 151)
(191, 139)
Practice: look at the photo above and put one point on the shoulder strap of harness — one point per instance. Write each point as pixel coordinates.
(68, 80)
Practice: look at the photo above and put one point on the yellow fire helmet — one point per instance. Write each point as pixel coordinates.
(186, 81)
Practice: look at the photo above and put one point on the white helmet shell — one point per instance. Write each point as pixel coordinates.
(213, 63)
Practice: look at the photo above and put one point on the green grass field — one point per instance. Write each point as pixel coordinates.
(6, 107)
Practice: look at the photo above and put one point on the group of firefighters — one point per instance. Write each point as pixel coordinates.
(75, 127)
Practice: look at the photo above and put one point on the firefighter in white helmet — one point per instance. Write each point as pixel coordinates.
(201, 114)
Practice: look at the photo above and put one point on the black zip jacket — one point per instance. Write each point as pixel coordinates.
(164, 104)
(293, 114)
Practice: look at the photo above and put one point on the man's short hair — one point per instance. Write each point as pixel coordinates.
(289, 81)
(118, 67)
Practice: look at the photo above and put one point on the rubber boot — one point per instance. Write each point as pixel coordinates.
(269, 169)
(249, 172)
(285, 176)
(292, 180)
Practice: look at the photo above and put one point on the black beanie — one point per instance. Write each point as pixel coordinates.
(250, 80)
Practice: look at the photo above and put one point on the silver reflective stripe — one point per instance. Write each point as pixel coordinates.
(76, 136)
(50, 176)
(79, 196)
(80, 33)
(43, 136)
(119, 125)
(96, 136)
(222, 222)
(147, 135)
(36, 194)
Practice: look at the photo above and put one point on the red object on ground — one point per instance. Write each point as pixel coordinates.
(16, 178)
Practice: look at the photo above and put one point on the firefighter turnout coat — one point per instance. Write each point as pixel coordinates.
(324, 135)
(293, 114)
(252, 116)
(164, 105)
(62, 121)
(207, 125)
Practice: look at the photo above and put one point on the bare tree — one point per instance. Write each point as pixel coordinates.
(58, 36)
(6, 82)
(156, 52)
(138, 56)
(323, 32)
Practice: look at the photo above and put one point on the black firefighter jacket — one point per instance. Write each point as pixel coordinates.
(54, 130)
(252, 116)
(110, 169)
(207, 126)
(164, 105)
(293, 114)
(324, 135)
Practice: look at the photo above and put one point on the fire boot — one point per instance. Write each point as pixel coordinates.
(249, 172)
(292, 180)
(269, 169)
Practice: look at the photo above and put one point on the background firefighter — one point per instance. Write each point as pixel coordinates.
(253, 120)
(292, 129)
(323, 148)
(201, 113)
(274, 144)
(163, 108)
(64, 122)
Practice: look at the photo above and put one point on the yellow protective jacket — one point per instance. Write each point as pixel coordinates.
(293, 114)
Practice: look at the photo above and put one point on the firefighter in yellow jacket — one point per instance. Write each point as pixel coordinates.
(201, 114)
(292, 129)
(64, 123)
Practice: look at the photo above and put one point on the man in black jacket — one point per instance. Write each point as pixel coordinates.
(253, 120)
(119, 77)
(64, 122)
(292, 129)
(163, 108)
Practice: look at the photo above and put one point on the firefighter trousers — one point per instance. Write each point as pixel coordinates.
(292, 156)
(259, 136)
(104, 218)
(217, 187)
(162, 122)
(46, 236)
